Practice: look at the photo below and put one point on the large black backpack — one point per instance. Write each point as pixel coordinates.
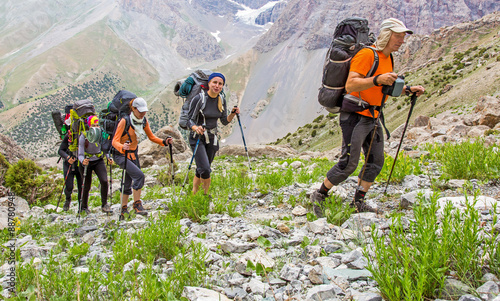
(350, 36)
(109, 118)
(188, 89)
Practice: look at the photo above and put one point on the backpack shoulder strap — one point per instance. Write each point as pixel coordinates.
(375, 62)
(127, 127)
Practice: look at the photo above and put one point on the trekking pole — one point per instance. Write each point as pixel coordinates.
(83, 188)
(412, 105)
(110, 196)
(123, 174)
(64, 186)
(244, 143)
(172, 166)
(190, 163)
(375, 128)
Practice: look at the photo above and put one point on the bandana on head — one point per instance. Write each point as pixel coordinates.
(92, 120)
(216, 74)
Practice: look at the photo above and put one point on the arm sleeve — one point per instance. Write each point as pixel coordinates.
(118, 134)
(63, 148)
(81, 148)
(151, 136)
(223, 118)
(193, 111)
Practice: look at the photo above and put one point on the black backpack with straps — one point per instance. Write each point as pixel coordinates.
(350, 36)
(109, 118)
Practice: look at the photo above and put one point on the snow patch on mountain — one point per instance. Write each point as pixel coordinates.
(248, 15)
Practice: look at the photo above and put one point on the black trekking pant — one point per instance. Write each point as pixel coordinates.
(73, 173)
(99, 167)
(204, 155)
(357, 133)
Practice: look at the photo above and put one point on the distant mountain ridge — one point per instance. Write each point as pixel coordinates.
(272, 51)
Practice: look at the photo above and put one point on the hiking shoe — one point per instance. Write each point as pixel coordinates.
(66, 205)
(361, 206)
(123, 212)
(106, 209)
(317, 198)
(138, 209)
(85, 210)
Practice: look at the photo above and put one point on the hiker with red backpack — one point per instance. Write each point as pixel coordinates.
(360, 125)
(205, 110)
(125, 142)
(91, 158)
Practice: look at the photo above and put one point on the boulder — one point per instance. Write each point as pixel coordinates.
(150, 153)
(489, 109)
(271, 151)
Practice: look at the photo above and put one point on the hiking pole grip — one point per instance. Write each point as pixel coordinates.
(412, 104)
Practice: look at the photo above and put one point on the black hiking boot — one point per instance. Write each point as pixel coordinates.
(85, 210)
(317, 199)
(66, 205)
(106, 209)
(123, 213)
(139, 209)
(361, 206)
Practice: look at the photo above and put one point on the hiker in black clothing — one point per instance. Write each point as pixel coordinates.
(91, 156)
(204, 112)
(69, 165)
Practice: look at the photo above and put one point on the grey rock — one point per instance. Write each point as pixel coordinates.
(277, 282)
(322, 292)
(489, 277)
(89, 238)
(349, 274)
(367, 297)
(352, 256)
(315, 275)
(319, 226)
(290, 272)
(453, 288)
(232, 293)
(84, 230)
(488, 290)
(236, 247)
(360, 220)
(130, 266)
(358, 264)
(202, 294)
(255, 287)
(410, 199)
(328, 262)
(469, 297)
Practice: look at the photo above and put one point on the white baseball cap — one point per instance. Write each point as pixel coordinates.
(140, 104)
(395, 25)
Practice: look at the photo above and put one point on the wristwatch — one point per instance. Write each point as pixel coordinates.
(407, 90)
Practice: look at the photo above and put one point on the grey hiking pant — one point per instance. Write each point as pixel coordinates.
(134, 177)
(357, 132)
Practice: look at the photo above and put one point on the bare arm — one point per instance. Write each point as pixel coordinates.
(357, 82)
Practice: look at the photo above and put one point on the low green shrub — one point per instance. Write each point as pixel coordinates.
(467, 160)
(26, 180)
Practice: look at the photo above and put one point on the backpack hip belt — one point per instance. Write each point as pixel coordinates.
(98, 155)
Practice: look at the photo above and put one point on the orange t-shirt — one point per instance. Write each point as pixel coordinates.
(361, 63)
(119, 139)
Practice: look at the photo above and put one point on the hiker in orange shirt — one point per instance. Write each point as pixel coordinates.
(357, 127)
(125, 142)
